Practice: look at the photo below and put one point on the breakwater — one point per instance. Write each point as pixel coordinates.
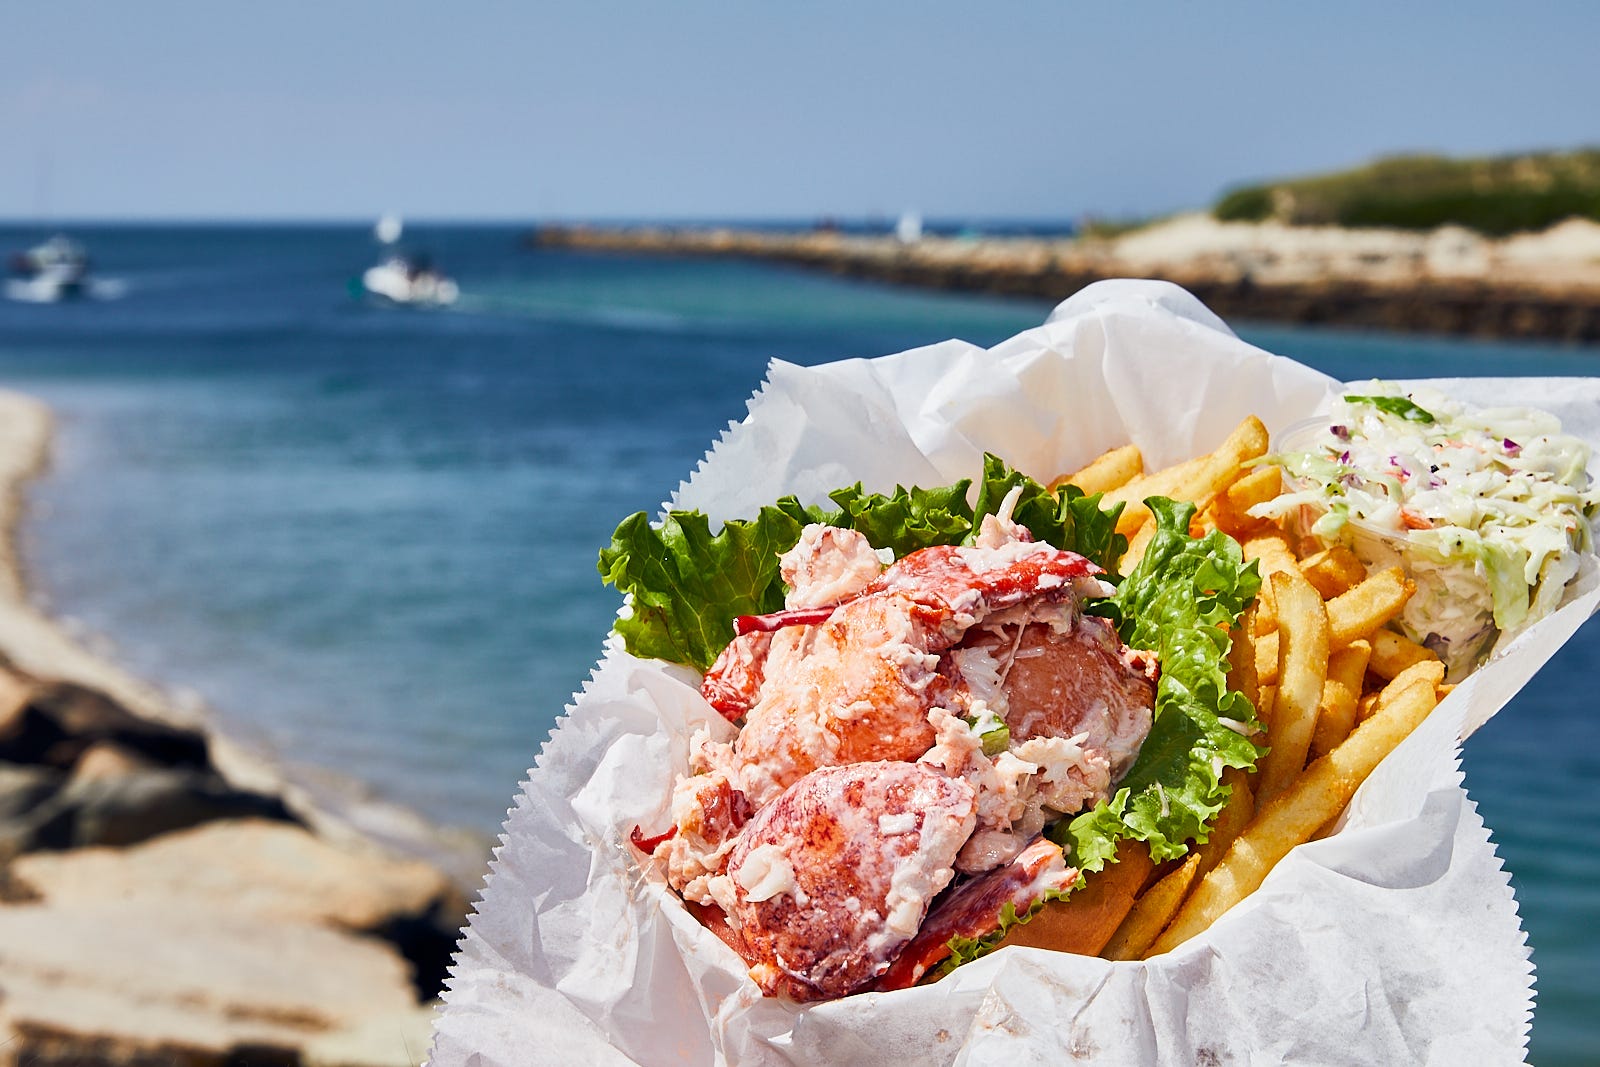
(1379, 292)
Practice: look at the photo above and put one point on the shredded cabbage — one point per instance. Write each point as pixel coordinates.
(1490, 511)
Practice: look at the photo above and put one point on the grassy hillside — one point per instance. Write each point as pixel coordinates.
(1495, 196)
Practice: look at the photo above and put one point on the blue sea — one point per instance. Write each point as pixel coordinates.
(366, 537)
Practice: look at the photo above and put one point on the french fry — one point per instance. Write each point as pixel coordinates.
(1197, 481)
(1229, 822)
(1136, 548)
(1428, 672)
(1264, 710)
(1271, 550)
(1231, 508)
(1242, 659)
(1297, 813)
(1106, 472)
(1085, 921)
(1165, 482)
(1333, 571)
(1218, 517)
(1366, 705)
(1302, 668)
(1257, 487)
(1336, 714)
(1361, 610)
(1267, 658)
(1151, 913)
(1393, 653)
(1266, 619)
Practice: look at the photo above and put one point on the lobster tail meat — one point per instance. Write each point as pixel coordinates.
(834, 877)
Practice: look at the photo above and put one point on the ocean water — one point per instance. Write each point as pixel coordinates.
(366, 536)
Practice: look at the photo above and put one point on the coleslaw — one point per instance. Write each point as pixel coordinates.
(1489, 512)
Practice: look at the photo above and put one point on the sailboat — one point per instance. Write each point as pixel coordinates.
(405, 279)
(908, 230)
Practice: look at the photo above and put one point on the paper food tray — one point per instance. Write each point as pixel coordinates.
(1395, 940)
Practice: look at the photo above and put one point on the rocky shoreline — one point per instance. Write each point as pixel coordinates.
(1449, 281)
(166, 897)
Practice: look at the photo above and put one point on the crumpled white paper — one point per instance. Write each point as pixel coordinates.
(1396, 940)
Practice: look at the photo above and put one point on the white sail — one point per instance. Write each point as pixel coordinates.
(909, 228)
(388, 229)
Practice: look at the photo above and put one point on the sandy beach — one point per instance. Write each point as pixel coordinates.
(167, 893)
(28, 639)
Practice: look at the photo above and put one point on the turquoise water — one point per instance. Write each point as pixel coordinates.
(366, 537)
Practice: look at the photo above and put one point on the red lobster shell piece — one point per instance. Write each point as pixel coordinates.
(734, 680)
(974, 581)
(649, 844)
(973, 910)
(833, 877)
(747, 624)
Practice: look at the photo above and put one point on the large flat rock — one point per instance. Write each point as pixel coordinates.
(128, 808)
(185, 983)
(259, 868)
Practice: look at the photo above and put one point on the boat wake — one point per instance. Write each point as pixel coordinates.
(45, 291)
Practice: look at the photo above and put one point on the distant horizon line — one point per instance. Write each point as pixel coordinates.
(887, 219)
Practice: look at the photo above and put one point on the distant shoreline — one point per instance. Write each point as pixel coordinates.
(333, 805)
(1444, 283)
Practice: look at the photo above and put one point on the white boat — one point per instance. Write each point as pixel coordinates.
(56, 270)
(403, 279)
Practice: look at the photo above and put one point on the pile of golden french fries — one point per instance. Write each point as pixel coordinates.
(1335, 690)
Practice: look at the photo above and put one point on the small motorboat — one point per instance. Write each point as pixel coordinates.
(56, 270)
(411, 280)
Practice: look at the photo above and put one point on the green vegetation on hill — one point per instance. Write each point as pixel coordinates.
(1105, 227)
(1495, 196)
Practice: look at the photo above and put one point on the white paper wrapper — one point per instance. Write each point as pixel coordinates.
(1395, 941)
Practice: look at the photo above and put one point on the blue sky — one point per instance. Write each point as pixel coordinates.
(686, 109)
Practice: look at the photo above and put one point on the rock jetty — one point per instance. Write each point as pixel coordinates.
(164, 899)
(1448, 281)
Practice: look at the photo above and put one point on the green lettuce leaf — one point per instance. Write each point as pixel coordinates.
(1065, 518)
(906, 520)
(1180, 603)
(1395, 405)
(686, 585)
